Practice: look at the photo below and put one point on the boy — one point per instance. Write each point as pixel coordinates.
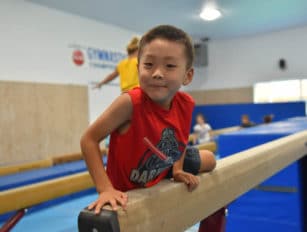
(154, 113)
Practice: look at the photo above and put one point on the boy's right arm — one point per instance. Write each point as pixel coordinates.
(117, 114)
(107, 194)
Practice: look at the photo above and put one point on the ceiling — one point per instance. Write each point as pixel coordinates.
(240, 17)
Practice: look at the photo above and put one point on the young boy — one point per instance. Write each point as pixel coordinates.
(154, 113)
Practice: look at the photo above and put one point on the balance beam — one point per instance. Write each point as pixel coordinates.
(170, 207)
(73, 157)
(29, 195)
(225, 130)
(211, 146)
(11, 169)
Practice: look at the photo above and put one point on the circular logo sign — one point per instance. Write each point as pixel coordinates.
(78, 57)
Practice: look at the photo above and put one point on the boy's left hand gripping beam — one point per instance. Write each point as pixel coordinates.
(105, 221)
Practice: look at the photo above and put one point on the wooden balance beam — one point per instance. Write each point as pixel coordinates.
(29, 195)
(168, 206)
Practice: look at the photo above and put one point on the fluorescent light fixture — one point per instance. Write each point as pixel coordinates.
(210, 13)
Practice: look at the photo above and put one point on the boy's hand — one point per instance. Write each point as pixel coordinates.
(189, 179)
(112, 197)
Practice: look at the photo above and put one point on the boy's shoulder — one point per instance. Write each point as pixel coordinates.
(137, 91)
(183, 96)
(136, 94)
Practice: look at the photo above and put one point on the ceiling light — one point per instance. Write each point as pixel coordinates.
(210, 13)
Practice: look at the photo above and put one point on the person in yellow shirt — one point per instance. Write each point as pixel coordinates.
(126, 69)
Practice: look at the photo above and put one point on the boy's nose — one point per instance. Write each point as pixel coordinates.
(158, 74)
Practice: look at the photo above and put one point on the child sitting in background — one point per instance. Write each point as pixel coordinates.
(201, 130)
(245, 121)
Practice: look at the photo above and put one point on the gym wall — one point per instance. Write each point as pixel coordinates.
(38, 121)
(222, 96)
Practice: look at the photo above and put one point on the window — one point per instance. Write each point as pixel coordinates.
(280, 91)
(304, 89)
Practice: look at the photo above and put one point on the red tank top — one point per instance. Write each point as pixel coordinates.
(131, 164)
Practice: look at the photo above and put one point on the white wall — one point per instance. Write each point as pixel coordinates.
(245, 61)
(37, 43)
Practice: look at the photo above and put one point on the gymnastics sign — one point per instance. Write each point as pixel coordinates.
(95, 57)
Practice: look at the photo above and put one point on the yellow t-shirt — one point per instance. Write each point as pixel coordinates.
(128, 74)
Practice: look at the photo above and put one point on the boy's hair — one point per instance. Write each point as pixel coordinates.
(133, 45)
(170, 33)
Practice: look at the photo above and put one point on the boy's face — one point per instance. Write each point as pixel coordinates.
(162, 70)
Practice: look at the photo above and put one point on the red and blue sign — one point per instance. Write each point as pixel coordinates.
(95, 57)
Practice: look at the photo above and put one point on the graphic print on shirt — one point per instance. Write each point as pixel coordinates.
(151, 165)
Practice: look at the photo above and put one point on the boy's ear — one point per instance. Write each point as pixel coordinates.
(188, 76)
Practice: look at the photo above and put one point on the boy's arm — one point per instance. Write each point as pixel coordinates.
(118, 114)
(181, 176)
(107, 194)
(91, 152)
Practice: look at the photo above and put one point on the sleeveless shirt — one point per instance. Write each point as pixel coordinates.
(131, 163)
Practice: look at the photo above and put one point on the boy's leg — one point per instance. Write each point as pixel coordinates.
(201, 161)
(207, 161)
(216, 222)
(197, 161)
(192, 161)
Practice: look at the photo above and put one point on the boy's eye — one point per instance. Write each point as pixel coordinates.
(171, 65)
(147, 64)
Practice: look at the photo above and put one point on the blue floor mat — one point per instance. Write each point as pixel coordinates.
(35, 176)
